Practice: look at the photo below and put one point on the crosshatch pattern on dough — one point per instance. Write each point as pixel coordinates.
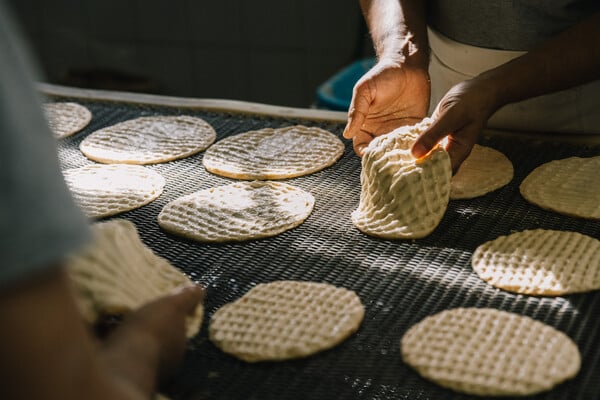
(238, 211)
(66, 118)
(105, 190)
(149, 140)
(402, 197)
(489, 352)
(540, 262)
(274, 153)
(286, 319)
(570, 186)
(117, 273)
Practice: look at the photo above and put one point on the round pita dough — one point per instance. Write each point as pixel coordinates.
(484, 171)
(274, 153)
(66, 119)
(286, 319)
(488, 352)
(149, 140)
(570, 186)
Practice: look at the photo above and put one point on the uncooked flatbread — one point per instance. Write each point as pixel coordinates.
(238, 211)
(274, 153)
(540, 262)
(488, 352)
(570, 186)
(117, 274)
(484, 171)
(149, 140)
(286, 319)
(104, 190)
(66, 119)
(402, 197)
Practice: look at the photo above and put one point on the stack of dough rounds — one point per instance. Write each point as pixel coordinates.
(488, 352)
(402, 197)
(484, 171)
(104, 190)
(274, 153)
(149, 140)
(570, 186)
(286, 319)
(540, 262)
(66, 119)
(238, 211)
(117, 274)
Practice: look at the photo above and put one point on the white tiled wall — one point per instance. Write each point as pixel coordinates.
(271, 51)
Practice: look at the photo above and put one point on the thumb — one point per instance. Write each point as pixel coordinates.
(441, 127)
(358, 110)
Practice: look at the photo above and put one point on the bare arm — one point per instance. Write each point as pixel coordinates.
(48, 353)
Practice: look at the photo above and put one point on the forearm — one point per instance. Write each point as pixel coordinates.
(569, 59)
(398, 30)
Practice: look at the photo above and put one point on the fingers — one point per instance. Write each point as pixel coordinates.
(359, 109)
(360, 142)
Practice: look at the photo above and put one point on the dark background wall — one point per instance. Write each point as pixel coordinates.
(269, 51)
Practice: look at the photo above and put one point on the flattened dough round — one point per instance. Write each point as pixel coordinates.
(402, 197)
(65, 118)
(104, 190)
(274, 153)
(570, 186)
(540, 262)
(117, 273)
(238, 211)
(149, 140)
(489, 352)
(286, 319)
(484, 171)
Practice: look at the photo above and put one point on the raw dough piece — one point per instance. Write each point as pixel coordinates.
(117, 273)
(286, 319)
(540, 262)
(149, 140)
(488, 352)
(66, 119)
(570, 186)
(274, 153)
(402, 197)
(104, 190)
(238, 211)
(484, 171)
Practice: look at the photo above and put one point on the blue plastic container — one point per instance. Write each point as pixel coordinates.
(336, 92)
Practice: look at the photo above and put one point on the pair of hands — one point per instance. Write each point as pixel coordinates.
(389, 96)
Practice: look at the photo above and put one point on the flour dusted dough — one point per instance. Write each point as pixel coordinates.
(540, 262)
(484, 171)
(488, 352)
(149, 140)
(238, 211)
(117, 273)
(286, 319)
(66, 118)
(104, 190)
(274, 153)
(570, 186)
(402, 197)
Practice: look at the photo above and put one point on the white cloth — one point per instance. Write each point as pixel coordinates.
(576, 110)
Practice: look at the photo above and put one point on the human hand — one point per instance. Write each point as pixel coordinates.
(388, 96)
(460, 115)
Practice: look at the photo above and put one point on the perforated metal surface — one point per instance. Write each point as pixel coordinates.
(399, 282)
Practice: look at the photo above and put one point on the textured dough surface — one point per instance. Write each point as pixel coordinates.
(238, 211)
(66, 119)
(570, 186)
(149, 140)
(274, 153)
(540, 262)
(286, 319)
(488, 352)
(117, 274)
(484, 171)
(402, 197)
(104, 190)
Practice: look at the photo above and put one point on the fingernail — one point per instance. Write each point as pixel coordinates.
(418, 150)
